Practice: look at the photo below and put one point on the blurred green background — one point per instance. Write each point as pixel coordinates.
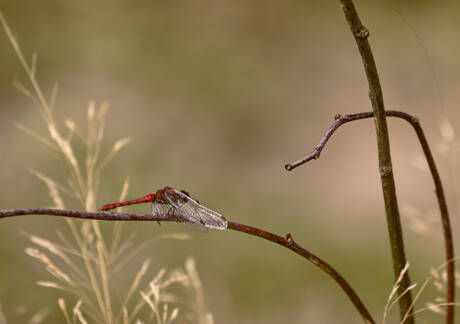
(217, 97)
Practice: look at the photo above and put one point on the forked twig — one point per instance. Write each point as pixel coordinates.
(447, 230)
(287, 242)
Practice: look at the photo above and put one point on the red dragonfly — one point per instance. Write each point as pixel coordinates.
(169, 201)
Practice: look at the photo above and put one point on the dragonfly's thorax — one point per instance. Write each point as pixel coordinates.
(160, 195)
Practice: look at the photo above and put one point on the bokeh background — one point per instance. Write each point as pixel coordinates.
(217, 97)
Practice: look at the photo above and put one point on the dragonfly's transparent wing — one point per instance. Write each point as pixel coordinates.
(193, 211)
(159, 208)
(162, 209)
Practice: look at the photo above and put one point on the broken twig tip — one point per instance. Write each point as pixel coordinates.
(362, 33)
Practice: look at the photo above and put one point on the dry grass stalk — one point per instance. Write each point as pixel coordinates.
(83, 263)
(438, 275)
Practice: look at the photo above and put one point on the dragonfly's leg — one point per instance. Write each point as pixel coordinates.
(172, 212)
(156, 211)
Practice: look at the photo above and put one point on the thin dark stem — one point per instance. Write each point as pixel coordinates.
(447, 231)
(287, 242)
(361, 34)
(339, 121)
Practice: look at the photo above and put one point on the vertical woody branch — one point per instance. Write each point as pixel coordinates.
(361, 34)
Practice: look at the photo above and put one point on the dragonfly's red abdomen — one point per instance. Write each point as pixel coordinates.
(148, 198)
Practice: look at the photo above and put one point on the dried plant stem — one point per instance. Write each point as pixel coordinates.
(287, 241)
(47, 114)
(445, 220)
(361, 34)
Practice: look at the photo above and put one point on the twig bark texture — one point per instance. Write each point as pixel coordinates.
(361, 35)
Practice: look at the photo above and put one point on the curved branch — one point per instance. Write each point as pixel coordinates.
(447, 231)
(287, 242)
(339, 121)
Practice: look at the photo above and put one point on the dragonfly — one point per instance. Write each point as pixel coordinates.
(169, 201)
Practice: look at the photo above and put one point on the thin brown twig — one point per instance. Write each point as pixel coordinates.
(287, 242)
(361, 35)
(445, 219)
(315, 154)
